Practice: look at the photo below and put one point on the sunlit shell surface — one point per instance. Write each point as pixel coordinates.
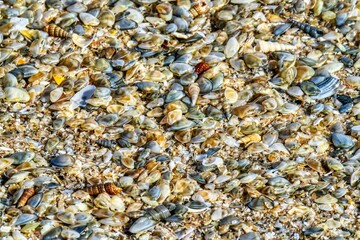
(187, 119)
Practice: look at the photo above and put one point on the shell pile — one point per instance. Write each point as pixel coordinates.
(148, 119)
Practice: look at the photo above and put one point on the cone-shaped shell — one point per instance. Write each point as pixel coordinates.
(264, 46)
(194, 91)
(56, 31)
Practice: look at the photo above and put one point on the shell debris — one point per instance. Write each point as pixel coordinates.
(186, 119)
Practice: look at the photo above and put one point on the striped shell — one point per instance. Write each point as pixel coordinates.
(199, 8)
(201, 67)
(264, 46)
(311, 30)
(28, 193)
(194, 91)
(109, 188)
(56, 31)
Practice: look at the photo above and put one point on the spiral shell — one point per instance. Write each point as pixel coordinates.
(312, 31)
(194, 91)
(56, 31)
(158, 213)
(199, 8)
(106, 143)
(109, 188)
(264, 46)
(201, 67)
(28, 193)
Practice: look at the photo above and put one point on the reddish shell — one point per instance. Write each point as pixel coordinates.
(201, 67)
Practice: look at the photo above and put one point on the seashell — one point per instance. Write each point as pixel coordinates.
(199, 8)
(182, 125)
(21, 157)
(80, 98)
(5, 53)
(108, 119)
(183, 136)
(35, 200)
(13, 94)
(28, 193)
(55, 31)
(201, 67)
(158, 213)
(106, 143)
(126, 24)
(25, 218)
(342, 141)
(194, 91)
(81, 41)
(174, 95)
(265, 47)
(281, 29)
(328, 87)
(109, 188)
(88, 19)
(326, 199)
(310, 88)
(106, 18)
(261, 203)
(197, 206)
(180, 69)
(355, 178)
(70, 234)
(230, 95)
(205, 85)
(181, 24)
(312, 31)
(62, 161)
(170, 28)
(66, 217)
(83, 218)
(4, 163)
(250, 235)
(174, 116)
(248, 178)
(341, 18)
(229, 220)
(312, 231)
(17, 177)
(142, 224)
(334, 164)
(232, 47)
(56, 94)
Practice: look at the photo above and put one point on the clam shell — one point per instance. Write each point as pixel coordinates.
(62, 161)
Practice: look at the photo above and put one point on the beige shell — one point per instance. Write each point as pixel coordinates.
(194, 91)
(56, 31)
(199, 8)
(264, 46)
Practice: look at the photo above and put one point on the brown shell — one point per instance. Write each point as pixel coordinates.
(199, 8)
(201, 67)
(28, 193)
(56, 31)
(109, 188)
